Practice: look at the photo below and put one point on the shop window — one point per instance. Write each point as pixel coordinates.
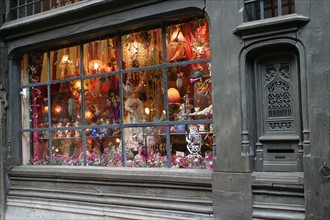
(140, 99)
(262, 9)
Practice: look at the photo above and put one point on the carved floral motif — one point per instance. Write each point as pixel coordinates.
(281, 125)
(278, 90)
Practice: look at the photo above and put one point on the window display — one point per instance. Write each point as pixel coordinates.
(143, 99)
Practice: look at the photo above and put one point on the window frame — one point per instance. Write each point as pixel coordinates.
(163, 66)
(258, 8)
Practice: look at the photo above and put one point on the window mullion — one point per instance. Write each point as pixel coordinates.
(17, 9)
(168, 142)
(279, 7)
(262, 9)
(50, 134)
(41, 5)
(33, 7)
(82, 93)
(25, 8)
(120, 66)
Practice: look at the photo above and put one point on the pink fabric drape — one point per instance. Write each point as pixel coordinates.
(37, 100)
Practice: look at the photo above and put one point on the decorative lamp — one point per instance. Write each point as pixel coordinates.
(65, 62)
(95, 65)
(173, 96)
(177, 36)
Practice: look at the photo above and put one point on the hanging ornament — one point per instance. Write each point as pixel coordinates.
(94, 132)
(179, 80)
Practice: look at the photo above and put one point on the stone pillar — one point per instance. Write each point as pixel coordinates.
(3, 106)
(231, 177)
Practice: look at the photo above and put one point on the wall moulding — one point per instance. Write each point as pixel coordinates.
(270, 26)
(112, 189)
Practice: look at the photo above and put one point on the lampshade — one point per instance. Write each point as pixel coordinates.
(177, 36)
(173, 96)
(95, 65)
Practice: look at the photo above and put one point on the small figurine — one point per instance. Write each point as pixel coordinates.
(68, 132)
(193, 142)
(76, 132)
(59, 133)
(114, 111)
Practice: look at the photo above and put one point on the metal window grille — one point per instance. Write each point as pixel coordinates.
(262, 9)
(25, 8)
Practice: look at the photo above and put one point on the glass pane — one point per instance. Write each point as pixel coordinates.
(66, 103)
(192, 149)
(46, 5)
(190, 92)
(104, 150)
(252, 10)
(145, 147)
(37, 7)
(156, 146)
(142, 49)
(35, 148)
(288, 7)
(270, 8)
(67, 149)
(100, 56)
(65, 63)
(34, 107)
(34, 68)
(144, 96)
(102, 101)
(188, 41)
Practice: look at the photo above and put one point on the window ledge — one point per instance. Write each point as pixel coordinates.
(292, 21)
(152, 175)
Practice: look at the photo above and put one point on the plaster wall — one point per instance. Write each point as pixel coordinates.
(315, 37)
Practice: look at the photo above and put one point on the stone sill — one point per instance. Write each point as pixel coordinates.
(145, 175)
